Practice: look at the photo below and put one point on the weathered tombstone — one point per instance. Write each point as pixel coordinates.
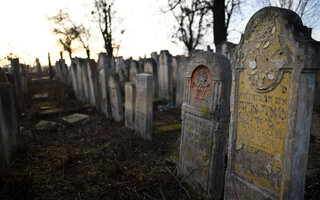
(225, 48)
(130, 103)
(85, 79)
(150, 67)
(24, 78)
(165, 76)
(175, 66)
(8, 124)
(183, 64)
(104, 70)
(205, 117)
(93, 84)
(155, 57)
(74, 78)
(133, 70)
(115, 97)
(81, 93)
(16, 71)
(273, 85)
(144, 103)
(38, 66)
(51, 73)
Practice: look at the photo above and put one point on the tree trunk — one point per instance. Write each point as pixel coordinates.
(219, 22)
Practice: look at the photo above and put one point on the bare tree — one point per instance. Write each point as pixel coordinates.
(104, 15)
(308, 10)
(190, 19)
(220, 12)
(69, 32)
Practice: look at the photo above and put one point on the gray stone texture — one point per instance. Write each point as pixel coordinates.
(85, 79)
(205, 116)
(79, 64)
(134, 70)
(104, 66)
(115, 97)
(144, 103)
(165, 76)
(225, 48)
(150, 67)
(94, 85)
(182, 68)
(130, 103)
(8, 126)
(16, 71)
(272, 96)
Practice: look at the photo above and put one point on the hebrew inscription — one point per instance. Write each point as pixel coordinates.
(261, 130)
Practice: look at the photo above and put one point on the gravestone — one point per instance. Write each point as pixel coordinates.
(133, 70)
(38, 66)
(272, 95)
(183, 64)
(104, 70)
(150, 67)
(79, 64)
(175, 66)
(74, 78)
(16, 71)
(155, 57)
(165, 76)
(205, 116)
(93, 84)
(225, 48)
(115, 97)
(130, 103)
(85, 79)
(8, 124)
(144, 100)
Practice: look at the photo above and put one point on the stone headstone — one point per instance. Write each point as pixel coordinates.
(272, 95)
(150, 67)
(8, 126)
(133, 70)
(104, 70)
(74, 78)
(93, 84)
(181, 73)
(175, 66)
(130, 103)
(155, 57)
(225, 48)
(85, 79)
(75, 118)
(16, 71)
(205, 117)
(38, 66)
(115, 97)
(165, 76)
(79, 66)
(144, 103)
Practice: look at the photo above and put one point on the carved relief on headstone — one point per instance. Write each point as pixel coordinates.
(205, 115)
(268, 135)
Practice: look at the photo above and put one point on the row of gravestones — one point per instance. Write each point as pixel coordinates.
(99, 85)
(270, 85)
(18, 74)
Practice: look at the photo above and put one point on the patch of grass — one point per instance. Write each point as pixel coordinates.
(172, 127)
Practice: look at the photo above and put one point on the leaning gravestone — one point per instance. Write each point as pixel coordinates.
(205, 117)
(130, 103)
(85, 79)
(93, 84)
(165, 76)
(74, 78)
(144, 100)
(273, 86)
(183, 64)
(150, 67)
(81, 93)
(104, 66)
(115, 97)
(8, 123)
(16, 71)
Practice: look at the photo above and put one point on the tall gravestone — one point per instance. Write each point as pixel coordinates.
(165, 76)
(16, 71)
(150, 67)
(85, 79)
(8, 123)
(38, 66)
(272, 95)
(205, 116)
(93, 84)
(130, 103)
(74, 78)
(133, 70)
(183, 64)
(79, 63)
(104, 66)
(144, 103)
(115, 97)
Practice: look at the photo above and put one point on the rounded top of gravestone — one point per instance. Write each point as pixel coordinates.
(218, 65)
(274, 40)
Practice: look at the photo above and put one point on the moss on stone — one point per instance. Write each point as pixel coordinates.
(172, 127)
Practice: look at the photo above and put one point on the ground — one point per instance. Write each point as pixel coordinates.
(99, 158)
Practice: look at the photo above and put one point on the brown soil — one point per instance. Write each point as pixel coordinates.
(99, 159)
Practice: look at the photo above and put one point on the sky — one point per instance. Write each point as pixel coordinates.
(26, 31)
